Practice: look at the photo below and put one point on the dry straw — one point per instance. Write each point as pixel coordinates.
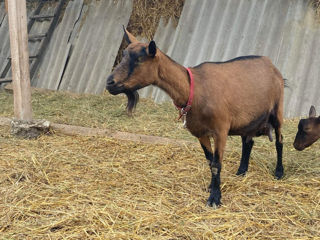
(62, 187)
(146, 15)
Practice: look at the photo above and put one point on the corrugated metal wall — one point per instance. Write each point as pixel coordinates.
(287, 31)
(4, 38)
(51, 68)
(39, 27)
(84, 46)
(85, 43)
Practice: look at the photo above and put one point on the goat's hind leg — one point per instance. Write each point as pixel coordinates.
(276, 122)
(247, 144)
(279, 146)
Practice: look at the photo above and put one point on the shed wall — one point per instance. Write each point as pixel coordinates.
(85, 43)
(286, 31)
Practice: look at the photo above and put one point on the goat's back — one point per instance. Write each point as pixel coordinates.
(240, 90)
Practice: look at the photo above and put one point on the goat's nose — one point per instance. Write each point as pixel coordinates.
(110, 80)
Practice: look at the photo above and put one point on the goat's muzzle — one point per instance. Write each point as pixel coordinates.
(298, 146)
(114, 88)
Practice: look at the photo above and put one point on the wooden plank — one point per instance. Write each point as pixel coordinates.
(17, 14)
(30, 57)
(5, 80)
(42, 17)
(31, 21)
(37, 37)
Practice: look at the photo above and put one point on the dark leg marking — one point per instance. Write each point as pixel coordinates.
(246, 151)
(279, 146)
(215, 192)
(208, 154)
(209, 157)
(279, 167)
(214, 187)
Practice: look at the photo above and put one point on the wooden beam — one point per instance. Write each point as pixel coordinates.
(17, 14)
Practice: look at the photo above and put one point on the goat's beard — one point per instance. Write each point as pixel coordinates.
(133, 98)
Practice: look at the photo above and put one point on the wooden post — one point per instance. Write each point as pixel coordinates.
(17, 14)
(6, 4)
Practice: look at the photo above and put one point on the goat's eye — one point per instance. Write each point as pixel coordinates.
(307, 129)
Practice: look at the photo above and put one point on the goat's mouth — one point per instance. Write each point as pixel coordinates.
(115, 89)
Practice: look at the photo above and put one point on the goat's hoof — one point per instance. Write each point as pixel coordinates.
(279, 173)
(241, 172)
(214, 200)
(212, 205)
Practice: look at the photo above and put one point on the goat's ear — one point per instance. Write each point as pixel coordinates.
(312, 111)
(152, 49)
(128, 36)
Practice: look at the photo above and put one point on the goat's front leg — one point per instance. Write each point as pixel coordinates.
(215, 166)
(207, 149)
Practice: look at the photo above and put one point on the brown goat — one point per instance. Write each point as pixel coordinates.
(243, 96)
(308, 131)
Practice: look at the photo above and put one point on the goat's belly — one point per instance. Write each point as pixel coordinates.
(257, 127)
(197, 129)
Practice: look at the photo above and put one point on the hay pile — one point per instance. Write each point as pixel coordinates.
(146, 15)
(316, 6)
(60, 187)
(145, 18)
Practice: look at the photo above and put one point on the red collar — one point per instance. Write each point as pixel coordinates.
(186, 109)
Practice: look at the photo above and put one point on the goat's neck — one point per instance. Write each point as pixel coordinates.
(174, 80)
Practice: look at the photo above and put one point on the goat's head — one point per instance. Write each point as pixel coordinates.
(308, 131)
(137, 69)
